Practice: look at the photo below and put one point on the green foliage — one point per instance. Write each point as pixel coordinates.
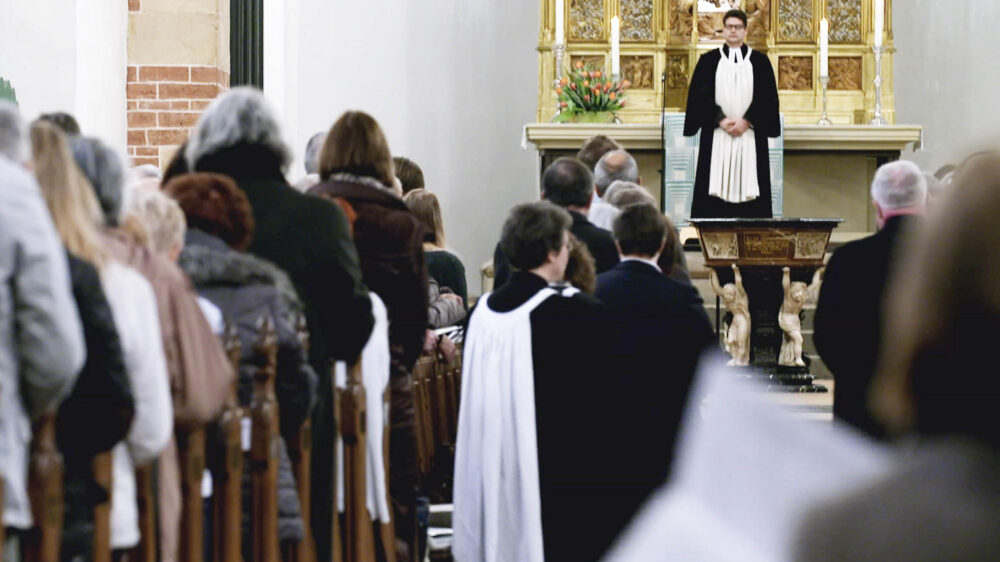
(7, 91)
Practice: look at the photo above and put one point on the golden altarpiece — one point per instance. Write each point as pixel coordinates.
(827, 168)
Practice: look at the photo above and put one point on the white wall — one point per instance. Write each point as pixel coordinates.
(452, 82)
(61, 58)
(946, 76)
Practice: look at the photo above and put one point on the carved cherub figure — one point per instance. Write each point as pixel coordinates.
(796, 295)
(734, 297)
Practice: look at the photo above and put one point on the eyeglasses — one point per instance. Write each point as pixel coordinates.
(736, 27)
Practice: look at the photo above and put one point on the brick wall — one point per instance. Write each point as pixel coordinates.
(164, 103)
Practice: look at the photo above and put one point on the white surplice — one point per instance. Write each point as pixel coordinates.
(497, 507)
(734, 159)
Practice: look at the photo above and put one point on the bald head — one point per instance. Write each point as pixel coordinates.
(614, 166)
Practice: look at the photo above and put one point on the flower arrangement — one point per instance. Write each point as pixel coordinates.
(588, 91)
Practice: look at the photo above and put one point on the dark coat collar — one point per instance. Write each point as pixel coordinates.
(352, 189)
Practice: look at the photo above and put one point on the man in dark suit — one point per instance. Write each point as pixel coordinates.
(849, 311)
(664, 330)
(568, 183)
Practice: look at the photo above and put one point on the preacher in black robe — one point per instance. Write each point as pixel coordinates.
(705, 114)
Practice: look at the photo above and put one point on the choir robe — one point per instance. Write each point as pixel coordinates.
(704, 114)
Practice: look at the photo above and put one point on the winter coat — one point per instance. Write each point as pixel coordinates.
(245, 288)
(442, 312)
(37, 316)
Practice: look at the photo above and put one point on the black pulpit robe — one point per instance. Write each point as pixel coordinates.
(705, 114)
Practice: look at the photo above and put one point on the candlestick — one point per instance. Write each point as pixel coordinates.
(558, 50)
(560, 25)
(615, 48)
(879, 19)
(877, 118)
(824, 120)
(824, 48)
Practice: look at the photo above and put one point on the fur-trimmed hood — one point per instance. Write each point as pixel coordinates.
(209, 262)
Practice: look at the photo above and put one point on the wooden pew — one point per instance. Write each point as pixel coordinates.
(227, 501)
(191, 454)
(45, 492)
(387, 529)
(359, 545)
(423, 373)
(264, 445)
(300, 453)
(102, 511)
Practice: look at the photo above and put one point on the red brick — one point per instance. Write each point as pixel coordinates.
(146, 151)
(163, 73)
(162, 137)
(134, 5)
(161, 105)
(136, 137)
(130, 73)
(137, 119)
(205, 74)
(196, 105)
(140, 91)
(175, 119)
(130, 105)
(188, 91)
(141, 161)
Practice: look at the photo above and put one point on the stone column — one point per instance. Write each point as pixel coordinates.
(178, 61)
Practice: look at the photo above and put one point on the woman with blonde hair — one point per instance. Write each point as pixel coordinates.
(442, 265)
(934, 385)
(132, 311)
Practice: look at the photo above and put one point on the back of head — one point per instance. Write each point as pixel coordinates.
(71, 201)
(313, 147)
(613, 166)
(214, 204)
(356, 145)
(13, 140)
(104, 168)
(629, 196)
(161, 217)
(596, 147)
(143, 172)
(945, 316)
(531, 231)
(240, 117)
(64, 121)
(640, 230)
(424, 205)
(899, 185)
(568, 183)
(409, 174)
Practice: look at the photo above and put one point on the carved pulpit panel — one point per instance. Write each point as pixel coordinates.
(795, 21)
(586, 20)
(637, 20)
(845, 20)
(795, 73)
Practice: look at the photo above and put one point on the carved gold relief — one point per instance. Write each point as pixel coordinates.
(637, 20)
(710, 13)
(845, 73)
(795, 73)
(795, 20)
(680, 17)
(639, 71)
(758, 20)
(810, 245)
(677, 72)
(593, 62)
(586, 20)
(721, 245)
(845, 20)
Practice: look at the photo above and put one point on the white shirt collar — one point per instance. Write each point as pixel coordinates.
(643, 260)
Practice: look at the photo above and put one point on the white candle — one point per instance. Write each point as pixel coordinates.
(879, 21)
(560, 26)
(824, 48)
(615, 46)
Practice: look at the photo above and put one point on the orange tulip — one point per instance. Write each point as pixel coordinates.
(562, 81)
(562, 104)
(558, 91)
(586, 83)
(607, 86)
(612, 96)
(596, 91)
(626, 84)
(573, 86)
(597, 74)
(579, 64)
(621, 103)
(586, 97)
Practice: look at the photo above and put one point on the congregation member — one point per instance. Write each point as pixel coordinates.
(594, 148)
(311, 162)
(410, 175)
(356, 169)
(664, 331)
(537, 469)
(616, 165)
(580, 269)
(37, 315)
(310, 240)
(849, 311)
(942, 499)
(569, 184)
(219, 226)
(442, 265)
(733, 101)
(199, 371)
